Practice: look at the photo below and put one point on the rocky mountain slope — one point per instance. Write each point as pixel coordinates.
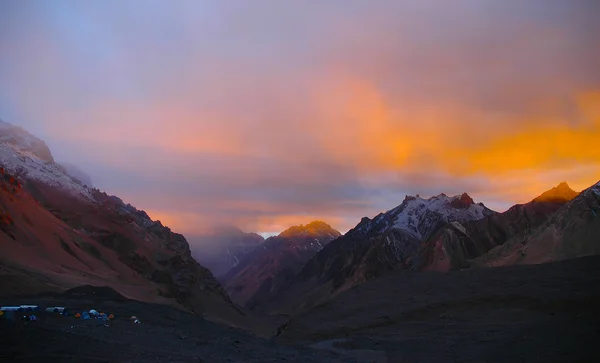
(223, 248)
(572, 231)
(458, 242)
(57, 233)
(276, 262)
(445, 234)
(388, 242)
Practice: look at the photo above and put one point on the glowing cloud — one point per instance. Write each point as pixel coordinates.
(281, 112)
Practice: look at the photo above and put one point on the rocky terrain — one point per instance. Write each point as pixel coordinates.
(453, 246)
(532, 313)
(166, 334)
(572, 231)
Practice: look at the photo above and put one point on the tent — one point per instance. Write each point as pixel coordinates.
(78, 315)
(111, 316)
(85, 316)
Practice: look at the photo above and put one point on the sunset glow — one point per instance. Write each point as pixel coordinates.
(266, 114)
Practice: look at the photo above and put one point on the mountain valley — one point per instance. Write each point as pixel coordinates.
(443, 272)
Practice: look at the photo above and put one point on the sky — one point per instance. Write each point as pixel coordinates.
(266, 114)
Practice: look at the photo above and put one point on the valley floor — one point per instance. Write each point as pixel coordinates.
(540, 313)
(535, 313)
(165, 335)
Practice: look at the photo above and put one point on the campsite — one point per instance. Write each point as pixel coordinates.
(164, 334)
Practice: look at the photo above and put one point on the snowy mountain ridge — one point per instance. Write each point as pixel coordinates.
(19, 137)
(27, 157)
(26, 165)
(420, 217)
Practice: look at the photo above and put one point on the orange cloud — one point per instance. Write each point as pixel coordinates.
(359, 127)
(536, 146)
(356, 126)
(267, 121)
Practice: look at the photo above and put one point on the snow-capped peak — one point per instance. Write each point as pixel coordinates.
(420, 217)
(22, 139)
(28, 157)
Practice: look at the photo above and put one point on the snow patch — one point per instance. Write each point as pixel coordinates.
(26, 165)
(419, 216)
(596, 188)
(459, 227)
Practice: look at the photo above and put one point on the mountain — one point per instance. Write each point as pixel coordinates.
(374, 247)
(56, 233)
(276, 262)
(223, 248)
(559, 224)
(458, 242)
(19, 138)
(572, 231)
(561, 193)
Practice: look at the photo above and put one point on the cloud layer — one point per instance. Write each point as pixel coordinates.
(270, 113)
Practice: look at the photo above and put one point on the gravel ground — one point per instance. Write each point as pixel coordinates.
(165, 335)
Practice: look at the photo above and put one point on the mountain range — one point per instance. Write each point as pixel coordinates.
(58, 232)
(442, 234)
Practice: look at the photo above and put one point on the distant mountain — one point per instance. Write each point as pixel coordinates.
(388, 242)
(420, 217)
(223, 248)
(276, 262)
(560, 194)
(456, 243)
(559, 224)
(56, 233)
